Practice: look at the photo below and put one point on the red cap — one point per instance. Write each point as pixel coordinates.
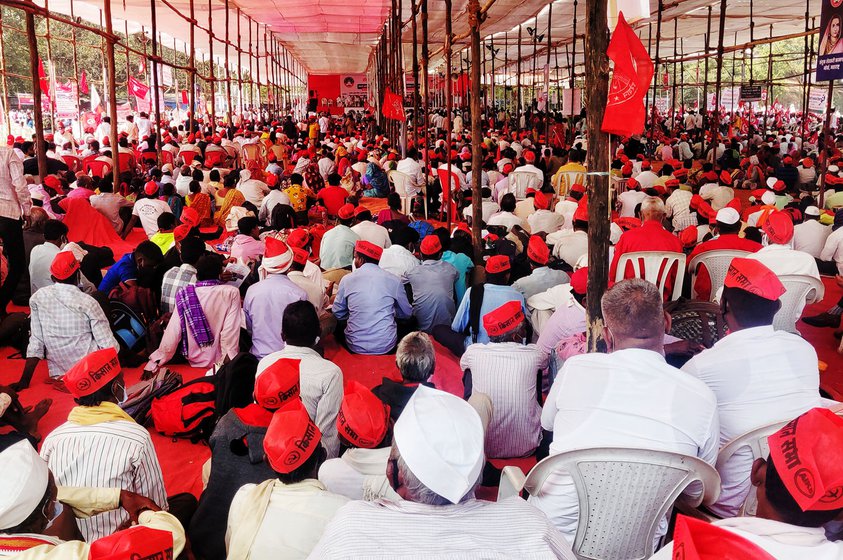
(300, 255)
(529, 156)
(135, 542)
(271, 179)
(150, 188)
(626, 170)
(778, 227)
(291, 438)
(181, 232)
(694, 539)
(672, 183)
(92, 373)
(462, 226)
(53, 182)
(504, 319)
(346, 212)
(576, 187)
(807, 162)
(757, 193)
(736, 204)
(190, 217)
(808, 455)
(779, 186)
(646, 164)
(787, 160)
(299, 237)
(581, 214)
(579, 280)
(529, 191)
(64, 265)
(711, 176)
(689, 236)
(490, 238)
(541, 201)
(431, 245)
(632, 183)
(368, 249)
(363, 419)
(537, 250)
(497, 264)
(275, 247)
(696, 200)
(753, 277)
(725, 177)
(680, 173)
(278, 384)
(507, 168)
(359, 210)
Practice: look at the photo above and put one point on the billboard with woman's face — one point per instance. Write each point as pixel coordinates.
(830, 60)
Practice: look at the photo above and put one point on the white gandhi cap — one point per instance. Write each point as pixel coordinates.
(812, 211)
(440, 437)
(728, 216)
(23, 484)
(768, 198)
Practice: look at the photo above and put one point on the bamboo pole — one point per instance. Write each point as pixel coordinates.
(715, 124)
(40, 144)
(807, 78)
(76, 74)
(704, 107)
(597, 86)
(425, 52)
(211, 68)
(673, 110)
(826, 132)
(52, 68)
(3, 80)
(656, 75)
(112, 90)
(474, 21)
(769, 82)
(156, 91)
(191, 81)
(547, 83)
(518, 84)
(449, 102)
(239, 70)
(229, 122)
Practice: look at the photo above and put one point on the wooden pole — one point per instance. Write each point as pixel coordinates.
(52, 70)
(425, 53)
(3, 81)
(229, 121)
(655, 78)
(806, 77)
(769, 82)
(239, 70)
(266, 74)
(715, 121)
(191, 81)
(826, 132)
(449, 101)
(704, 107)
(75, 74)
(533, 97)
(414, 5)
(518, 84)
(40, 144)
(673, 85)
(474, 21)
(547, 83)
(112, 90)
(597, 86)
(211, 67)
(156, 92)
(493, 56)
(656, 75)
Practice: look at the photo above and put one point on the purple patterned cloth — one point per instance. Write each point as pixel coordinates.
(192, 317)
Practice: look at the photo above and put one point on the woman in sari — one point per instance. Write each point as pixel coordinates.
(227, 198)
(200, 202)
(831, 41)
(376, 181)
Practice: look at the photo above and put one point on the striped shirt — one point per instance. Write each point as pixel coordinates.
(409, 531)
(14, 194)
(507, 372)
(117, 454)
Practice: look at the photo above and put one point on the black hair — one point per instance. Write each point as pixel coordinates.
(393, 200)
(99, 396)
(209, 267)
(192, 249)
(364, 216)
(750, 310)
(753, 234)
(246, 224)
(729, 228)
(782, 501)
(54, 230)
(195, 187)
(166, 221)
(334, 179)
(214, 175)
(306, 469)
(508, 202)
(300, 324)
(296, 179)
(150, 251)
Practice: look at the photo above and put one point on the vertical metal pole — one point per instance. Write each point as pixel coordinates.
(239, 70)
(547, 84)
(75, 72)
(112, 90)
(769, 81)
(673, 85)
(806, 76)
(52, 69)
(655, 76)
(40, 144)
(266, 67)
(258, 66)
(704, 107)
(826, 132)
(413, 7)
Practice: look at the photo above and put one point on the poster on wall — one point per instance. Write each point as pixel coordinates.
(66, 106)
(354, 90)
(830, 59)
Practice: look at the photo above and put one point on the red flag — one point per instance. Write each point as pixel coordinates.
(625, 110)
(393, 106)
(83, 82)
(137, 88)
(184, 98)
(42, 79)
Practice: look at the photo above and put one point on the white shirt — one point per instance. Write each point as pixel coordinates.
(780, 540)
(487, 210)
(253, 190)
(398, 260)
(647, 179)
(40, 260)
(474, 529)
(292, 523)
(326, 166)
(782, 260)
(545, 221)
(569, 245)
(269, 202)
(629, 398)
(373, 233)
(148, 210)
(628, 201)
(759, 376)
(507, 219)
(360, 474)
(833, 249)
(144, 127)
(116, 454)
(321, 390)
(566, 209)
(506, 373)
(315, 292)
(678, 207)
(413, 170)
(810, 236)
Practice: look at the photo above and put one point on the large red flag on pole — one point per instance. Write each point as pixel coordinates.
(625, 111)
(393, 106)
(83, 82)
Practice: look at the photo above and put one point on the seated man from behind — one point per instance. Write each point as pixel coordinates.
(629, 397)
(416, 360)
(283, 517)
(507, 370)
(759, 375)
(541, 277)
(435, 465)
(100, 445)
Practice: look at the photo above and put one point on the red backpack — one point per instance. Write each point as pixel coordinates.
(187, 412)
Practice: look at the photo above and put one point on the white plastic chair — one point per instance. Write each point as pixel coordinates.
(756, 441)
(657, 266)
(623, 494)
(717, 265)
(566, 179)
(399, 180)
(494, 177)
(801, 289)
(520, 181)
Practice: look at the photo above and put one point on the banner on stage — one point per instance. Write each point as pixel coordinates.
(354, 90)
(830, 55)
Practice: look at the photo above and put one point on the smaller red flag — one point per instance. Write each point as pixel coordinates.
(184, 98)
(137, 88)
(42, 79)
(393, 106)
(83, 82)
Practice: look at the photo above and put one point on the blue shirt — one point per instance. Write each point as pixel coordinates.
(433, 293)
(337, 247)
(264, 307)
(371, 299)
(493, 297)
(463, 264)
(122, 271)
(541, 280)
